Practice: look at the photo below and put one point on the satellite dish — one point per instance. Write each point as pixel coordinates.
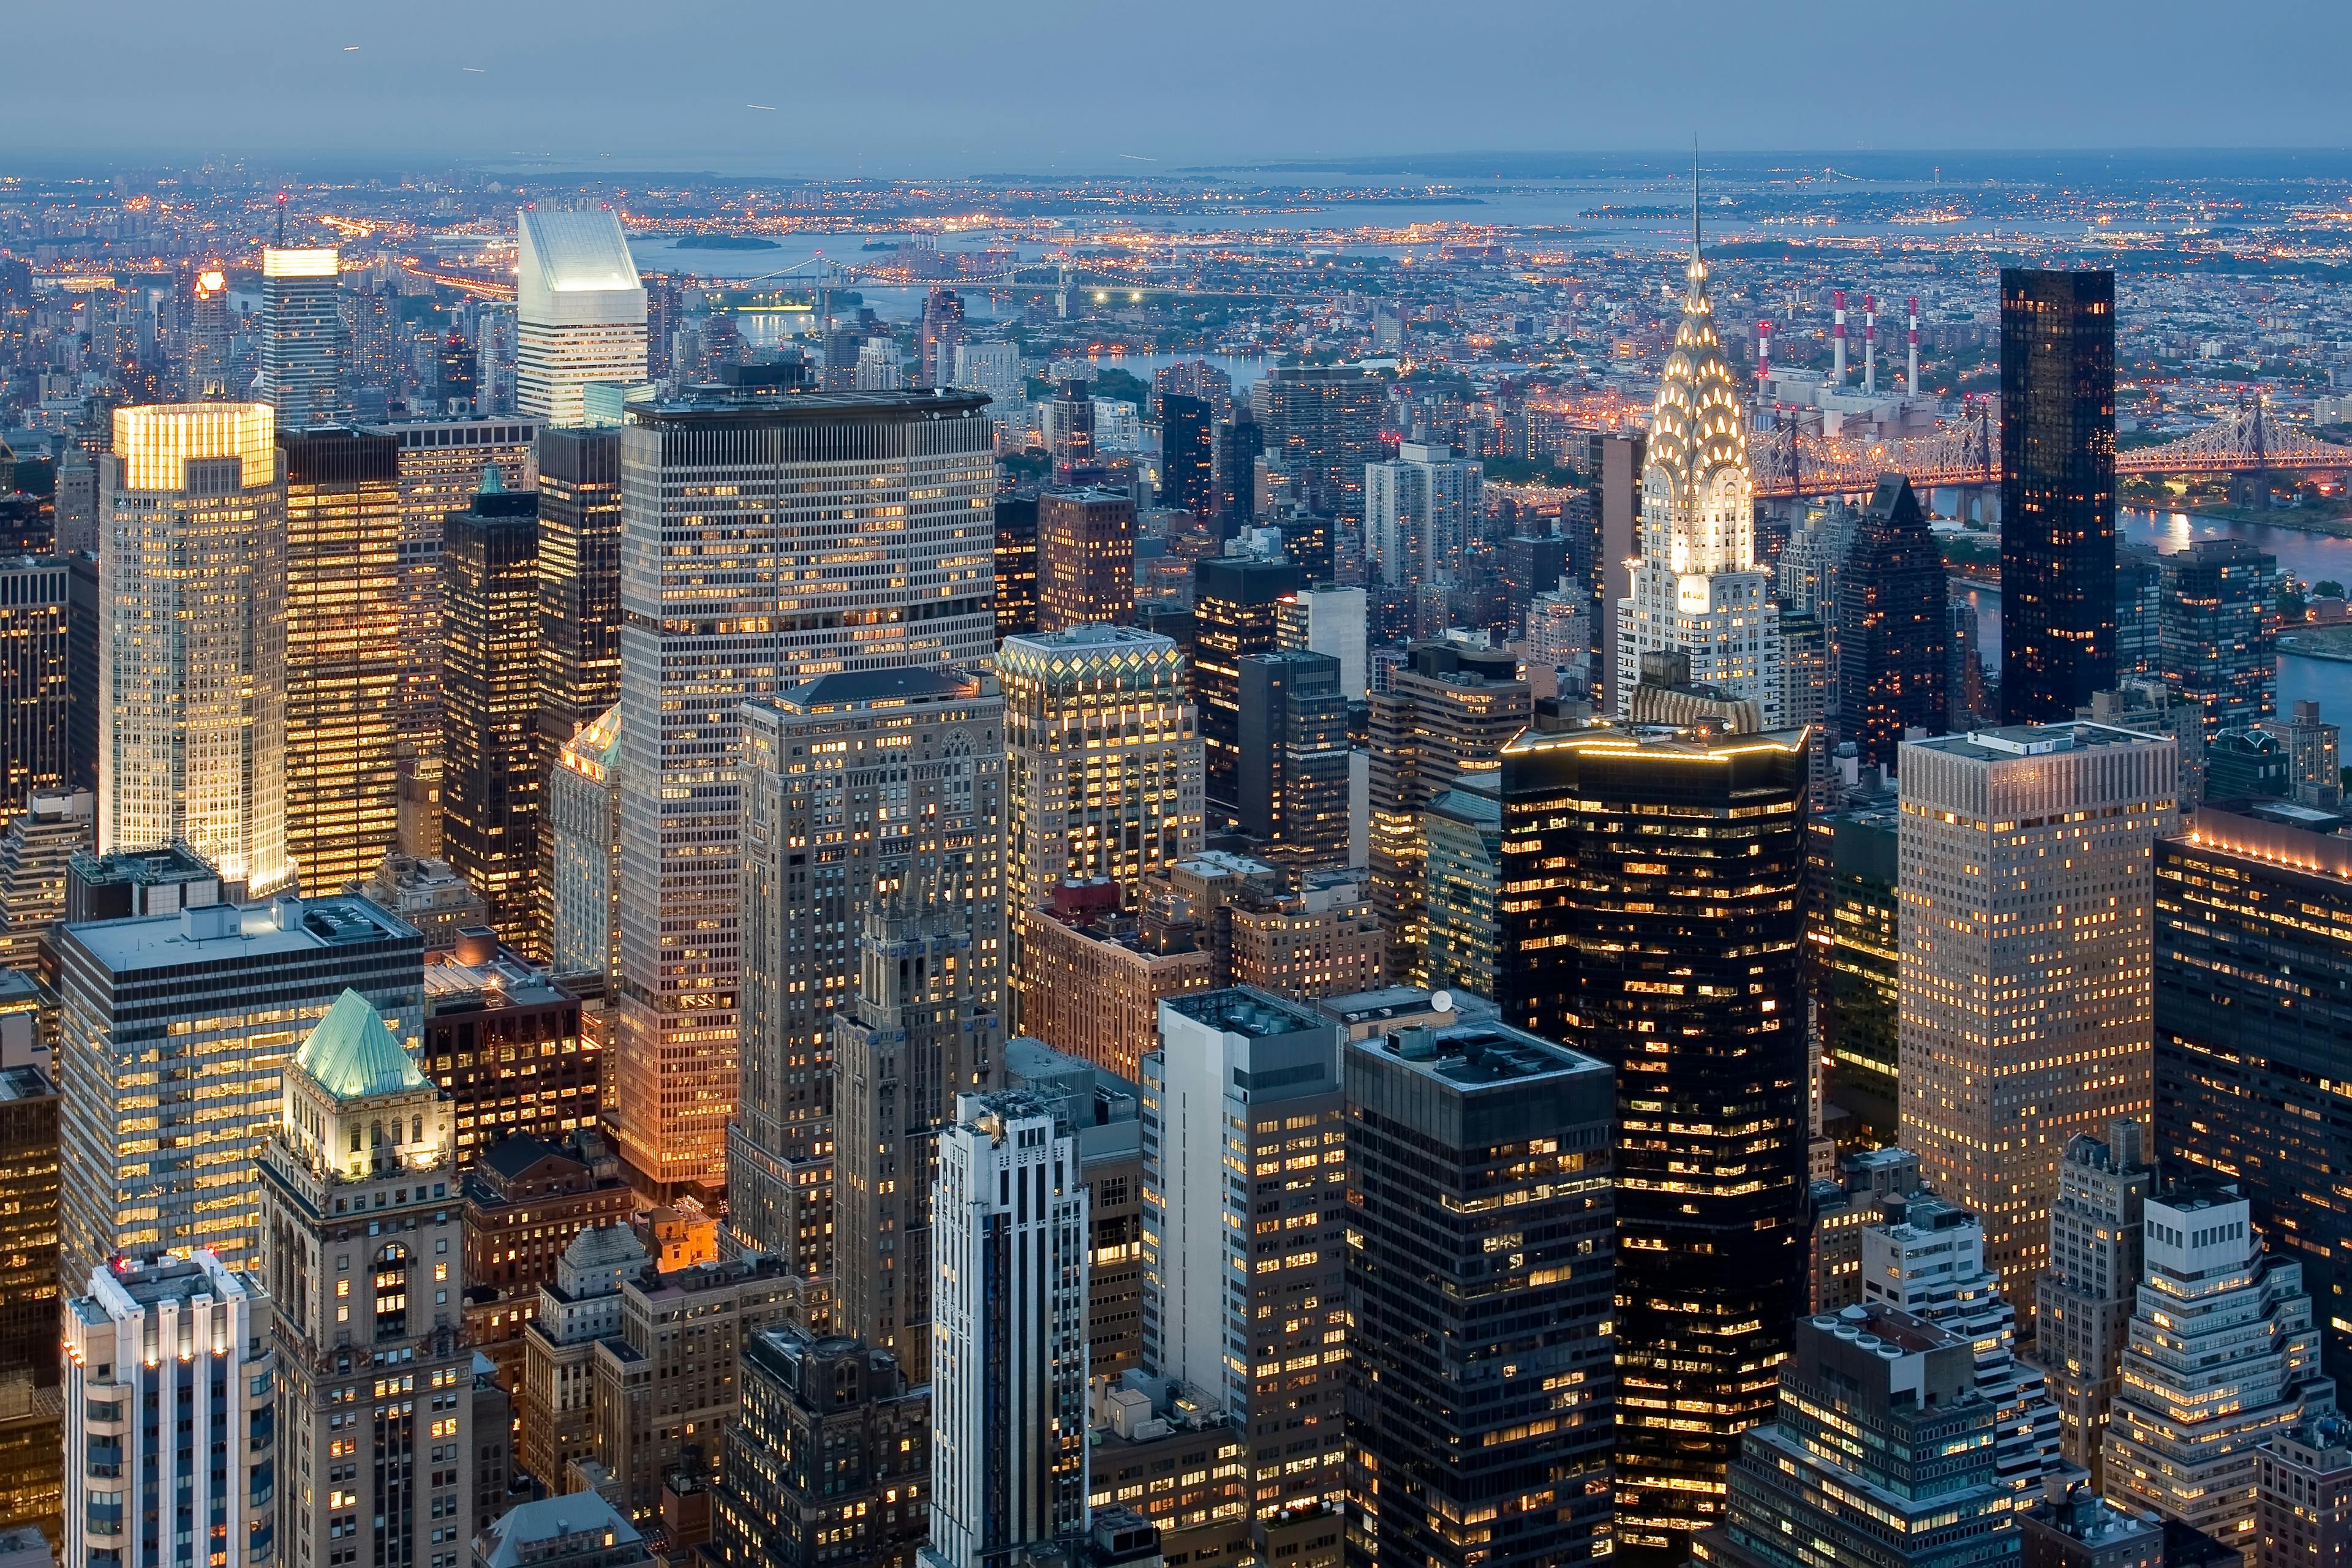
(1441, 1001)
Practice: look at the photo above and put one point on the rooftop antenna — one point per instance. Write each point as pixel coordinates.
(281, 220)
(1694, 198)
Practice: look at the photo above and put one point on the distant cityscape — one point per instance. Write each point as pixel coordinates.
(1303, 867)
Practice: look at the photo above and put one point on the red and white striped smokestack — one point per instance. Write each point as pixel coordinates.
(1911, 382)
(1870, 345)
(1763, 355)
(1837, 337)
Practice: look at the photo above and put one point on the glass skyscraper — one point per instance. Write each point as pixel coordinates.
(2057, 491)
(1652, 918)
(192, 674)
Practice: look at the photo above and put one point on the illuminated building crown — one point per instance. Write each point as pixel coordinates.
(1698, 495)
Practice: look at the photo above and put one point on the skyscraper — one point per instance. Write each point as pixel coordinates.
(342, 652)
(1422, 514)
(1461, 836)
(491, 782)
(1103, 758)
(363, 1250)
(918, 757)
(304, 346)
(1245, 1175)
(583, 829)
(579, 582)
(1448, 713)
(2224, 1352)
(441, 464)
(1696, 588)
(2253, 926)
(2083, 1302)
(213, 999)
(1892, 626)
(1478, 1152)
(941, 329)
(170, 1376)
(909, 474)
(1188, 456)
(1016, 565)
(2057, 491)
(1327, 619)
(1675, 959)
(926, 1023)
(2027, 883)
(1292, 768)
(1086, 557)
(36, 688)
(1240, 444)
(192, 689)
(580, 311)
(1324, 423)
(1237, 611)
(1919, 1491)
(1008, 1335)
(2215, 650)
(204, 375)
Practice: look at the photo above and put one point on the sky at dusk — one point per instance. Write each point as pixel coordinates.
(922, 89)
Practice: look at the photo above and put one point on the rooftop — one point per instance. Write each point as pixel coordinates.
(525, 1533)
(229, 933)
(878, 687)
(352, 1055)
(504, 981)
(2014, 742)
(1246, 1010)
(573, 252)
(702, 404)
(1471, 1056)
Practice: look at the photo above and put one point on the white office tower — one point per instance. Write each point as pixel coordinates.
(1422, 513)
(304, 347)
(1244, 1189)
(2026, 861)
(177, 1346)
(1008, 1333)
(192, 639)
(580, 311)
(1324, 618)
(1697, 589)
(2223, 1355)
(1928, 1259)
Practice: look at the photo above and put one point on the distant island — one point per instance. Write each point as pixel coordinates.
(726, 242)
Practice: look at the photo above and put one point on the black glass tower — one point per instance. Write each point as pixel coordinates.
(579, 583)
(491, 790)
(1188, 456)
(1240, 444)
(1893, 622)
(2057, 491)
(1236, 602)
(1650, 916)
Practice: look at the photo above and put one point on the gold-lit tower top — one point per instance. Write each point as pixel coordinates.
(1697, 485)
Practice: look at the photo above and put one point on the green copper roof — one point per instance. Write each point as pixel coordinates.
(352, 1055)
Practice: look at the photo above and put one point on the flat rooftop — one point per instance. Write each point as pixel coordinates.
(1472, 1056)
(235, 933)
(2013, 742)
(887, 686)
(1246, 1011)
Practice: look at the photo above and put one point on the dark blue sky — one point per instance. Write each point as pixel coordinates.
(917, 88)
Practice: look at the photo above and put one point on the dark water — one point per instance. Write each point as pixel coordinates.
(2313, 557)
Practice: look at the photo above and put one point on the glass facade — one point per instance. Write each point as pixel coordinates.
(342, 653)
(490, 790)
(1652, 918)
(2058, 492)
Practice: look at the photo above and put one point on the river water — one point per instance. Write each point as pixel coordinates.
(2313, 557)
